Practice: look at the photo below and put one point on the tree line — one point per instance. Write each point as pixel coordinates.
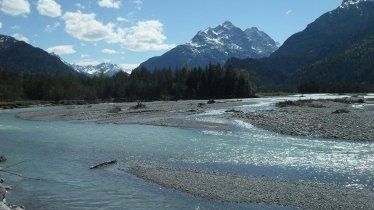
(213, 81)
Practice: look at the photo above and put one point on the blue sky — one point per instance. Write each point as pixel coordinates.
(130, 31)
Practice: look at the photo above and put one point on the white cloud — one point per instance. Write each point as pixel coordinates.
(49, 8)
(86, 28)
(84, 55)
(109, 51)
(62, 49)
(122, 19)
(288, 12)
(50, 28)
(15, 7)
(146, 36)
(128, 67)
(138, 4)
(109, 4)
(1, 25)
(20, 37)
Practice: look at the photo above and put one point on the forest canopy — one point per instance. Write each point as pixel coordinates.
(213, 81)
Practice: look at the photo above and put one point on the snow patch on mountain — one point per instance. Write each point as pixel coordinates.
(107, 69)
(216, 45)
(348, 3)
(228, 39)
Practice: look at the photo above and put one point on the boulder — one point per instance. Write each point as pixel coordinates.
(2, 159)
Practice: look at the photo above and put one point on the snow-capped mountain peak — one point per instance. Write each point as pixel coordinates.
(108, 69)
(348, 3)
(232, 40)
(6, 41)
(228, 25)
(216, 45)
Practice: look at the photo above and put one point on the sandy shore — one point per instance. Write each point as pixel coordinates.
(318, 118)
(231, 188)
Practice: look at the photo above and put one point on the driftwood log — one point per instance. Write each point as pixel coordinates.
(111, 162)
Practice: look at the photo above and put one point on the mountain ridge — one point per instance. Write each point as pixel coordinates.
(329, 35)
(21, 57)
(215, 45)
(108, 69)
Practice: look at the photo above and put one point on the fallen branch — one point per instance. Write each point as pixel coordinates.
(19, 175)
(104, 164)
(16, 164)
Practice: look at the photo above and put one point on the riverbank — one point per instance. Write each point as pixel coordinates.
(159, 113)
(348, 119)
(3, 190)
(241, 189)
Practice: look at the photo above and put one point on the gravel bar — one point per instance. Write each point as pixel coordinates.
(243, 189)
(318, 118)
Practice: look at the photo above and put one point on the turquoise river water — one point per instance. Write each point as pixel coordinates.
(61, 152)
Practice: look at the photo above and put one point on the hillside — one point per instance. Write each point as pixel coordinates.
(18, 56)
(324, 46)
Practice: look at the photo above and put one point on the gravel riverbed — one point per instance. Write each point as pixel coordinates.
(232, 188)
(318, 118)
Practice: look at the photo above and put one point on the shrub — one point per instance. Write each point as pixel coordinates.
(139, 105)
(200, 105)
(211, 101)
(341, 111)
(115, 110)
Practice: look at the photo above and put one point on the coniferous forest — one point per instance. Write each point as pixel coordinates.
(213, 81)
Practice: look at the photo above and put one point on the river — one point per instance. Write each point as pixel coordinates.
(61, 152)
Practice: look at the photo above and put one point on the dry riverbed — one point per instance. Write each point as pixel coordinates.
(160, 113)
(348, 119)
(240, 189)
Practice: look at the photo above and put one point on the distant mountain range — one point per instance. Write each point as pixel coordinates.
(335, 47)
(107, 69)
(19, 56)
(216, 45)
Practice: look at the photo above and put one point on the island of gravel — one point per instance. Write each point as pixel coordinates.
(345, 119)
(247, 189)
(158, 113)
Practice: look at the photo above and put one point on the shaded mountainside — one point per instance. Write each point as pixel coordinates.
(355, 64)
(215, 45)
(18, 56)
(321, 50)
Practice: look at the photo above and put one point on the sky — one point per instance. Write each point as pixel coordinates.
(128, 32)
